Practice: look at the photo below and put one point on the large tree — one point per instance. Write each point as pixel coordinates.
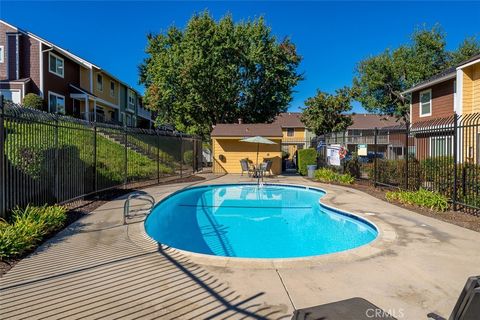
(381, 79)
(217, 72)
(326, 112)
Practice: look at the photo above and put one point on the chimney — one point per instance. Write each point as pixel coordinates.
(240, 121)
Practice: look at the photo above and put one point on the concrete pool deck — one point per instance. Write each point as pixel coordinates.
(99, 268)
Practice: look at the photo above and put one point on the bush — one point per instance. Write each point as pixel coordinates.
(28, 227)
(306, 157)
(32, 100)
(352, 166)
(188, 157)
(414, 173)
(434, 166)
(422, 198)
(328, 175)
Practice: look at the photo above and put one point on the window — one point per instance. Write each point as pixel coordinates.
(131, 98)
(112, 89)
(290, 132)
(412, 150)
(55, 65)
(56, 103)
(441, 146)
(11, 95)
(2, 54)
(426, 103)
(99, 82)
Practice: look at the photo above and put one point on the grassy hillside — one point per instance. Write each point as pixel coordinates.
(31, 148)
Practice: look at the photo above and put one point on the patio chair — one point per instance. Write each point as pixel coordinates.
(267, 167)
(350, 309)
(246, 167)
(468, 303)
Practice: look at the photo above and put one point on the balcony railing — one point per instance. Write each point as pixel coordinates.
(381, 139)
(100, 118)
(144, 113)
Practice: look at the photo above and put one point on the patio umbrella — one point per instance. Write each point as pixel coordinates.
(258, 140)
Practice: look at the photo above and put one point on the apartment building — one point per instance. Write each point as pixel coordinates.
(67, 83)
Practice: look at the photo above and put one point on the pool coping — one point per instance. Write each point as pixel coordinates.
(385, 237)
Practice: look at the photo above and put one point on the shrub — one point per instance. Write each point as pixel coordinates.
(433, 166)
(328, 175)
(188, 157)
(414, 173)
(306, 157)
(28, 227)
(352, 166)
(422, 198)
(32, 100)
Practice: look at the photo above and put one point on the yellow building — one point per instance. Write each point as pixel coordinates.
(228, 150)
(99, 95)
(467, 103)
(295, 135)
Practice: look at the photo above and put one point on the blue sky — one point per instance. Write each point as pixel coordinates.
(331, 36)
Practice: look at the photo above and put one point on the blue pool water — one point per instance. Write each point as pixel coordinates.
(247, 221)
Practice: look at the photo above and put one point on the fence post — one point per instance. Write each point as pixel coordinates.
(181, 155)
(125, 158)
(3, 185)
(375, 158)
(158, 156)
(95, 181)
(407, 135)
(57, 161)
(455, 161)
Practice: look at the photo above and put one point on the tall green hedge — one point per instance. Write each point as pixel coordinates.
(306, 157)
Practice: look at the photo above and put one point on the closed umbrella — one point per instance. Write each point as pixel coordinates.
(258, 140)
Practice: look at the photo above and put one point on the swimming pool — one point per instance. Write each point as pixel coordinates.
(248, 221)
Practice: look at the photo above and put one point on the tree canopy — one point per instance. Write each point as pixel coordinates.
(380, 79)
(217, 72)
(325, 112)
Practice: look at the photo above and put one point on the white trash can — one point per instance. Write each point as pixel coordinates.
(311, 170)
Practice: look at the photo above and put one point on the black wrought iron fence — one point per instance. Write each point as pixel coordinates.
(47, 158)
(441, 155)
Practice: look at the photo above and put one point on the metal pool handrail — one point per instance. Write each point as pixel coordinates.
(136, 196)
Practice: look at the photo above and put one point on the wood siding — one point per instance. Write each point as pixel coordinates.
(442, 101)
(227, 154)
(29, 58)
(105, 93)
(85, 79)
(298, 134)
(471, 89)
(57, 84)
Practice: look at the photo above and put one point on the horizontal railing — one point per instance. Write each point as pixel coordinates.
(381, 139)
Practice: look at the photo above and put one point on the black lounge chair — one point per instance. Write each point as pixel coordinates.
(468, 303)
(350, 309)
(466, 308)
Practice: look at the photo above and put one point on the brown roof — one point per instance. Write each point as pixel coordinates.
(372, 121)
(289, 120)
(247, 130)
